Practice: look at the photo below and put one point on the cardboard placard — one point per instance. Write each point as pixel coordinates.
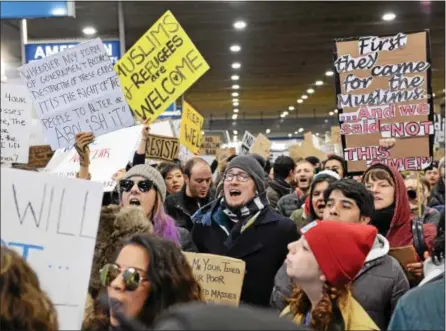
(384, 90)
(220, 277)
(108, 154)
(53, 226)
(162, 148)
(224, 153)
(439, 125)
(190, 128)
(15, 111)
(247, 141)
(76, 90)
(335, 135)
(159, 68)
(305, 149)
(261, 146)
(405, 255)
(210, 145)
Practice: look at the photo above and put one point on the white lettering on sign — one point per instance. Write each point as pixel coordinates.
(42, 51)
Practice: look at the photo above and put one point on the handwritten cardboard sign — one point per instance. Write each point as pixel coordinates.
(15, 111)
(220, 277)
(261, 146)
(159, 68)
(162, 148)
(439, 124)
(247, 141)
(108, 154)
(210, 145)
(307, 148)
(190, 129)
(53, 226)
(384, 91)
(76, 90)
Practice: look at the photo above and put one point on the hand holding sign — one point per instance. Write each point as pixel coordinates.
(83, 139)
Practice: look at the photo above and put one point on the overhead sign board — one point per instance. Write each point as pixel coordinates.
(35, 9)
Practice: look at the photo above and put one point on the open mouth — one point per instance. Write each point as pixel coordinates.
(303, 180)
(320, 205)
(234, 193)
(135, 202)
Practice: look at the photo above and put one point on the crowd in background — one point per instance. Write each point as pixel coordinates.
(317, 246)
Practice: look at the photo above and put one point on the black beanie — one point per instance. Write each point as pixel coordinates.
(252, 168)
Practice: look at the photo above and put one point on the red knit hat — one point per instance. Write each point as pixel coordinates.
(339, 248)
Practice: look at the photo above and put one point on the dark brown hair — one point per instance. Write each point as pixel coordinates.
(322, 316)
(378, 174)
(24, 306)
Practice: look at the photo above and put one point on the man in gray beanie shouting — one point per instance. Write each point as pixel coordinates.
(241, 224)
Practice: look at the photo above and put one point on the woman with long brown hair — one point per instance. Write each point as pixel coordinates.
(24, 306)
(149, 275)
(322, 264)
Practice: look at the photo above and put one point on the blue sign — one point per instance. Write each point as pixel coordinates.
(172, 112)
(38, 51)
(35, 9)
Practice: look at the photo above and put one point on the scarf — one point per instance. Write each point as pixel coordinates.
(382, 219)
(252, 207)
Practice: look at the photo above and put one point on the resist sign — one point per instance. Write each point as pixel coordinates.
(159, 68)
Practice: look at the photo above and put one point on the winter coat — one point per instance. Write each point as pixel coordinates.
(377, 287)
(181, 207)
(437, 196)
(289, 203)
(430, 216)
(263, 247)
(187, 245)
(354, 317)
(400, 231)
(277, 188)
(422, 308)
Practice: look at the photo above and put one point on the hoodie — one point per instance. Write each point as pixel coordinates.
(400, 231)
(377, 287)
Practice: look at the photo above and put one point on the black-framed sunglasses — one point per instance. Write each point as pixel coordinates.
(126, 185)
(412, 194)
(241, 177)
(131, 276)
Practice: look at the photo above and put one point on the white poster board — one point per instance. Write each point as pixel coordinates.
(76, 90)
(247, 142)
(53, 225)
(108, 154)
(15, 112)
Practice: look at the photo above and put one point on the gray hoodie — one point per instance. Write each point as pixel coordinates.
(377, 287)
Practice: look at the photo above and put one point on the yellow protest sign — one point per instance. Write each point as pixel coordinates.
(159, 68)
(220, 277)
(190, 128)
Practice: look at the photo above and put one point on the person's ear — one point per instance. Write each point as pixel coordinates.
(364, 220)
(186, 179)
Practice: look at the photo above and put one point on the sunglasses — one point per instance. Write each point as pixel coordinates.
(412, 194)
(126, 185)
(132, 277)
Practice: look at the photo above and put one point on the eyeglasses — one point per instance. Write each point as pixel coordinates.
(412, 194)
(132, 278)
(126, 185)
(241, 177)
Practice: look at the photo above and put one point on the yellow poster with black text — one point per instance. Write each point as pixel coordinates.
(190, 128)
(159, 68)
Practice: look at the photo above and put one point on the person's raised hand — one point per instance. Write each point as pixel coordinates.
(145, 130)
(387, 143)
(83, 139)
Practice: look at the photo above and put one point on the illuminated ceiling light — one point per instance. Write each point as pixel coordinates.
(331, 113)
(310, 91)
(234, 116)
(282, 115)
(235, 104)
(89, 31)
(326, 121)
(239, 25)
(291, 108)
(202, 132)
(300, 101)
(234, 94)
(235, 132)
(268, 131)
(301, 130)
(433, 94)
(329, 73)
(236, 65)
(235, 87)
(295, 132)
(388, 17)
(58, 11)
(235, 77)
(317, 134)
(235, 100)
(319, 83)
(235, 48)
(290, 135)
(236, 110)
(335, 111)
(304, 97)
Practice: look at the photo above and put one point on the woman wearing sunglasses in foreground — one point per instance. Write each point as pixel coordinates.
(144, 187)
(149, 275)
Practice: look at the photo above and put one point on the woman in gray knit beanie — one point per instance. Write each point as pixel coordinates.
(144, 187)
